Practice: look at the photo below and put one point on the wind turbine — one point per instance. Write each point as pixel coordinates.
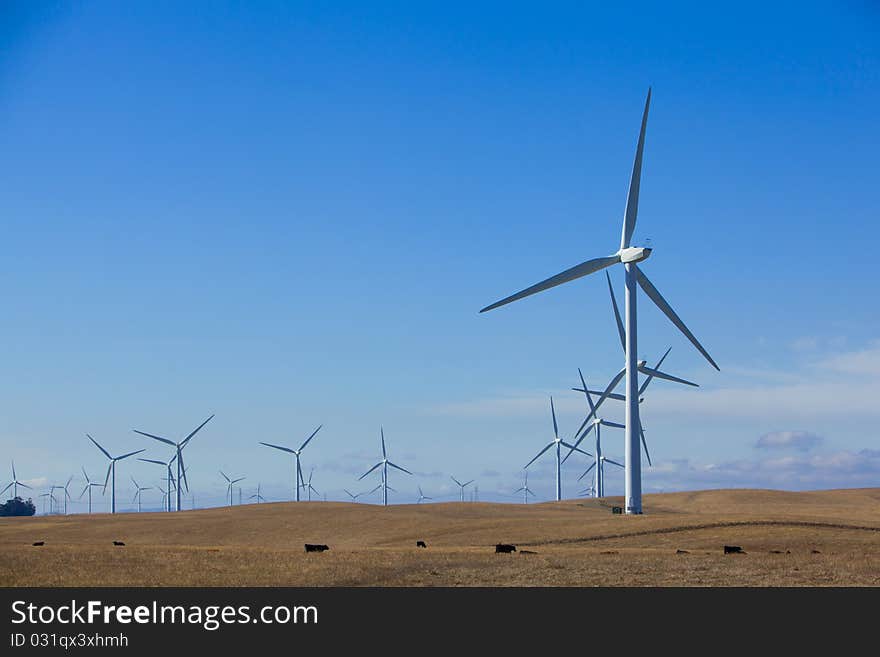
(599, 464)
(296, 453)
(384, 463)
(524, 489)
(258, 497)
(66, 490)
(309, 486)
(178, 447)
(422, 496)
(165, 501)
(139, 489)
(629, 256)
(51, 498)
(558, 443)
(111, 469)
(229, 484)
(89, 485)
(461, 486)
(354, 497)
(169, 478)
(14, 484)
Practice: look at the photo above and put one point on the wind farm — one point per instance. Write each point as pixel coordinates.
(600, 284)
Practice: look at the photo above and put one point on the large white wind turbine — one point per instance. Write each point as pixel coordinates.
(558, 443)
(229, 484)
(384, 463)
(89, 485)
(138, 490)
(524, 489)
(178, 449)
(169, 478)
(461, 486)
(14, 484)
(300, 483)
(111, 470)
(629, 256)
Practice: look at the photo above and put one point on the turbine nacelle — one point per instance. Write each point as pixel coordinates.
(634, 254)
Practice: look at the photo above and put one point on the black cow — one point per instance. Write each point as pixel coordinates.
(421, 544)
(315, 548)
(38, 543)
(118, 543)
(733, 549)
(504, 548)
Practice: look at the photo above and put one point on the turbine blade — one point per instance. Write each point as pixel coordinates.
(382, 431)
(536, 457)
(80, 495)
(668, 377)
(195, 431)
(106, 453)
(620, 330)
(224, 476)
(469, 483)
(107, 478)
(369, 471)
(152, 461)
(283, 449)
(159, 438)
(15, 476)
(394, 465)
(632, 199)
(310, 437)
(662, 304)
(587, 471)
(25, 485)
(7, 488)
(125, 456)
(644, 443)
(575, 448)
(587, 392)
(616, 425)
(650, 376)
(575, 272)
(578, 441)
(619, 465)
(553, 412)
(183, 473)
(455, 480)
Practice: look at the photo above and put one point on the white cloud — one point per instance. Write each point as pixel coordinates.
(799, 440)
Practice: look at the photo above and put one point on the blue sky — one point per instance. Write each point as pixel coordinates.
(289, 214)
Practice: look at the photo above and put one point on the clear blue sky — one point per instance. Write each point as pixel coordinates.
(288, 214)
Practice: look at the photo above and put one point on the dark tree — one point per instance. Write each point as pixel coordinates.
(18, 507)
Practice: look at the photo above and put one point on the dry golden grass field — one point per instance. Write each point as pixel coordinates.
(790, 539)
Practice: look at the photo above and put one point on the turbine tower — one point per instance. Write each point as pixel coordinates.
(138, 490)
(524, 489)
(14, 484)
(296, 452)
(629, 256)
(178, 448)
(558, 443)
(229, 484)
(89, 485)
(384, 463)
(461, 486)
(111, 469)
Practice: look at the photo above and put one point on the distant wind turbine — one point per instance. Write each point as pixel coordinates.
(178, 449)
(558, 443)
(354, 497)
(111, 470)
(296, 452)
(14, 484)
(170, 484)
(89, 485)
(422, 496)
(229, 484)
(629, 256)
(258, 497)
(384, 463)
(524, 489)
(309, 486)
(139, 489)
(461, 486)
